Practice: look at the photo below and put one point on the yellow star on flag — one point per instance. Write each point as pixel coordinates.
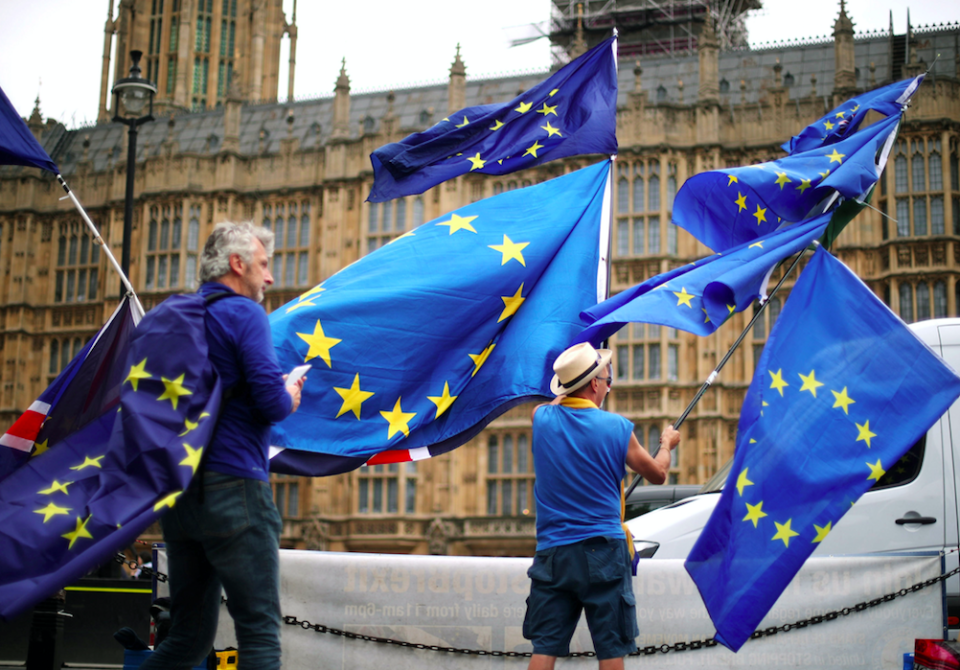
(824, 175)
(547, 110)
(755, 513)
(173, 390)
(742, 481)
(731, 309)
(40, 447)
(758, 245)
(398, 419)
(784, 532)
(465, 123)
(810, 383)
(137, 372)
(842, 400)
(497, 125)
(532, 151)
(89, 463)
(876, 471)
(782, 179)
(477, 162)
(828, 125)
(193, 457)
(804, 185)
(298, 305)
(706, 317)
(836, 157)
(777, 381)
(481, 358)
(189, 425)
(864, 434)
(458, 222)
(78, 532)
(320, 344)
(732, 179)
(822, 532)
(444, 401)
(684, 298)
(511, 304)
(760, 215)
(510, 250)
(741, 201)
(54, 487)
(839, 115)
(551, 131)
(524, 107)
(553, 92)
(51, 511)
(353, 397)
(316, 290)
(167, 501)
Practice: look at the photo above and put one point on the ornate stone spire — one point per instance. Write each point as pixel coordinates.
(844, 78)
(457, 86)
(341, 104)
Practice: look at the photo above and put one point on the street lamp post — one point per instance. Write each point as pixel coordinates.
(136, 93)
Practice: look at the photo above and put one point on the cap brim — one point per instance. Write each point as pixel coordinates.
(557, 389)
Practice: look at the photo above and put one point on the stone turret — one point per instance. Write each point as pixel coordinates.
(707, 48)
(845, 78)
(341, 104)
(457, 87)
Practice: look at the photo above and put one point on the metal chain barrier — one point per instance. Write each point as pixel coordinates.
(133, 565)
(642, 651)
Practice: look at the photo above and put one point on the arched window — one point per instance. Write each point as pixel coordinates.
(623, 195)
(661, 93)
(906, 302)
(923, 301)
(418, 209)
(939, 299)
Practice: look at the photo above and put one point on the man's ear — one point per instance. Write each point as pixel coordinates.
(236, 264)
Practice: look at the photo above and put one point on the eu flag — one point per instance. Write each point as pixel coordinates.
(121, 442)
(18, 146)
(843, 388)
(573, 112)
(700, 296)
(725, 208)
(845, 120)
(416, 346)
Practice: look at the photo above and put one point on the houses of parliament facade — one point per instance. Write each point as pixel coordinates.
(219, 151)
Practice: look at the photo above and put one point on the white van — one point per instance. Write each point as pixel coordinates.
(913, 507)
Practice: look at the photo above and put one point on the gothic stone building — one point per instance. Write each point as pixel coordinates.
(217, 153)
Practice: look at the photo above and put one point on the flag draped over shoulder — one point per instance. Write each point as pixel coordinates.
(18, 146)
(725, 208)
(418, 345)
(571, 113)
(842, 390)
(700, 296)
(124, 435)
(845, 120)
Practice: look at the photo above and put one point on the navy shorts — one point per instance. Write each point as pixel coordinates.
(592, 576)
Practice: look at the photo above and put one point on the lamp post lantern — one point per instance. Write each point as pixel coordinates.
(136, 93)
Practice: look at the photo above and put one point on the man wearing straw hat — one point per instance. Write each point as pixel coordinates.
(583, 559)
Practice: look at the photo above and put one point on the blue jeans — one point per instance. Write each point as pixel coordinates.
(231, 539)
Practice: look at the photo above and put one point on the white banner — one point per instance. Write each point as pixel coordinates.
(479, 603)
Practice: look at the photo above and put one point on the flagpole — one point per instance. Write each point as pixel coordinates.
(716, 372)
(99, 240)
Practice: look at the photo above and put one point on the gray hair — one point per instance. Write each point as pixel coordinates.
(228, 239)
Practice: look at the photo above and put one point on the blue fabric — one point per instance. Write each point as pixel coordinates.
(845, 120)
(231, 539)
(843, 388)
(420, 342)
(579, 456)
(18, 146)
(241, 349)
(701, 296)
(592, 576)
(573, 112)
(122, 441)
(725, 208)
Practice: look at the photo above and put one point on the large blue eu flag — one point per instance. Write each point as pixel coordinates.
(725, 208)
(842, 390)
(843, 121)
(125, 433)
(571, 113)
(416, 346)
(700, 296)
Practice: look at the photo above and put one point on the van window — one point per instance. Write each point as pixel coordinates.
(906, 469)
(903, 472)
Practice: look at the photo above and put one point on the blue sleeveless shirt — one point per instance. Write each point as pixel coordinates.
(579, 456)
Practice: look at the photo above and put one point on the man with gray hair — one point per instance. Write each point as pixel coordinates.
(225, 531)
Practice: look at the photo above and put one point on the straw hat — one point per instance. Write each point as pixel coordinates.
(576, 366)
